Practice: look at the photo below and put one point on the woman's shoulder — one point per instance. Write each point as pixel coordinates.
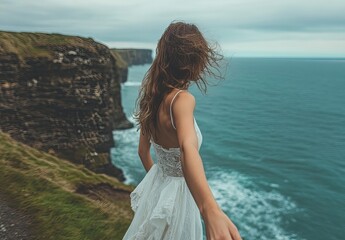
(184, 99)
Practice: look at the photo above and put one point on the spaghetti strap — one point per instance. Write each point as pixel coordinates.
(171, 117)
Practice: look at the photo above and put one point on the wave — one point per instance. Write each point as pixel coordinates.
(257, 213)
(124, 154)
(131, 84)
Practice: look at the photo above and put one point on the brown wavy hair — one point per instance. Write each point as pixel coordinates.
(183, 56)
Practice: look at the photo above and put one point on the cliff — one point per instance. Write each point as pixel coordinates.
(130, 57)
(55, 199)
(61, 94)
(135, 56)
(122, 66)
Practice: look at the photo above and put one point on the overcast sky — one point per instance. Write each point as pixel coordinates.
(241, 27)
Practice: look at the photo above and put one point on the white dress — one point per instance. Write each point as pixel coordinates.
(163, 205)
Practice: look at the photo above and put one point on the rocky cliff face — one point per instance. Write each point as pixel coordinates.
(122, 66)
(135, 56)
(61, 94)
(130, 57)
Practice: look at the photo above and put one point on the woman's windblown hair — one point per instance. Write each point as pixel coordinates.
(183, 56)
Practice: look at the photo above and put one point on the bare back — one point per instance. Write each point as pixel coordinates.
(166, 131)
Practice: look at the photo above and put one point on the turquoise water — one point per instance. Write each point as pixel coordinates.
(273, 145)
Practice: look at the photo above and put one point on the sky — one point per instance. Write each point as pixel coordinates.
(243, 28)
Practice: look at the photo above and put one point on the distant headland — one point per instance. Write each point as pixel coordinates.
(127, 57)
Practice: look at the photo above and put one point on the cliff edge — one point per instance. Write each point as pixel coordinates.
(127, 57)
(61, 94)
(134, 56)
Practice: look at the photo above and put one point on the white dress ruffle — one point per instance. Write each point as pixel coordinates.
(164, 208)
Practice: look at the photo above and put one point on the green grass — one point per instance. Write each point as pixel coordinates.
(44, 186)
(26, 44)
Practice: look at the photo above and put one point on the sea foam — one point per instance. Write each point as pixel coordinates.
(257, 212)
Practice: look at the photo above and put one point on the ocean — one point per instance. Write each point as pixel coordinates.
(273, 145)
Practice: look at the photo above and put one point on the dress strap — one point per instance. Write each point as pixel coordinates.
(171, 117)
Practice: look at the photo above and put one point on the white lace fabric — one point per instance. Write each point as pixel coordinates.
(169, 160)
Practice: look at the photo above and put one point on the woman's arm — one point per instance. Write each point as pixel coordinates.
(218, 225)
(144, 152)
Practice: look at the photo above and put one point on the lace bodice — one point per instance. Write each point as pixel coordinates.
(169, 160)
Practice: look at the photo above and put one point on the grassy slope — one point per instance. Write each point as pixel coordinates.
(44, 187)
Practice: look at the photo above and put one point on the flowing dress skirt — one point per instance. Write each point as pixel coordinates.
(164, 208)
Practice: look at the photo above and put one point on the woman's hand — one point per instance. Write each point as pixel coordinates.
(219, 226)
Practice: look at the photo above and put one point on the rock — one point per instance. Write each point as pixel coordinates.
(130, 57)
(61, 94)
(72, 53)
(135, 56)
(122, 66)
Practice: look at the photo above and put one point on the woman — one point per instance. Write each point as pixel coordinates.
(173, 196)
